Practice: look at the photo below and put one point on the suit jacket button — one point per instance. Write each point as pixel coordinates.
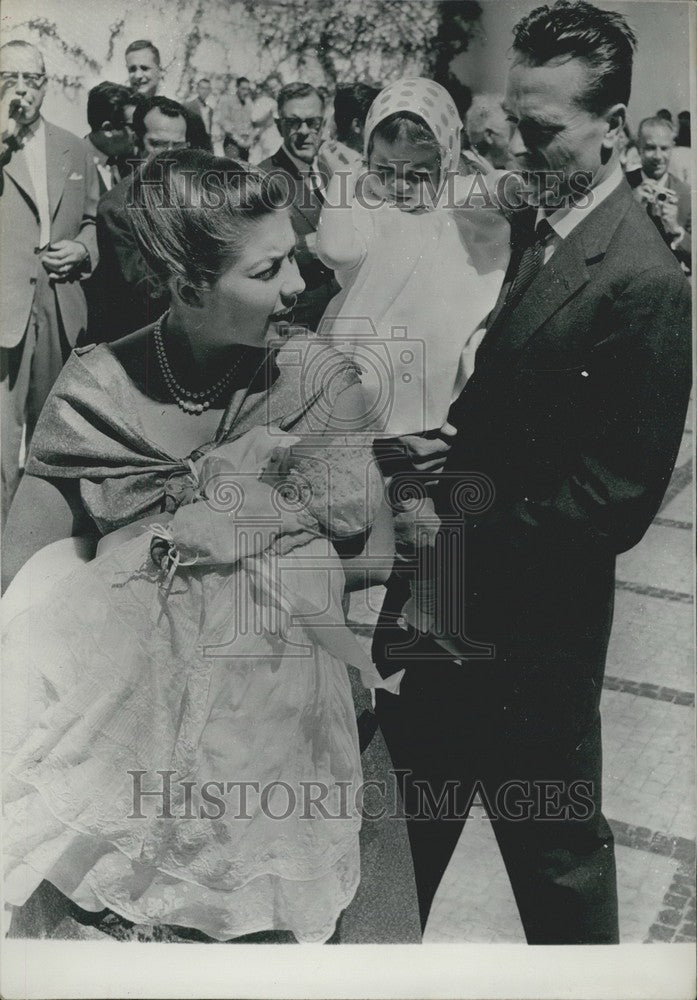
(32, 281)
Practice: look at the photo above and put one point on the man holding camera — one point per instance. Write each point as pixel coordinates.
(667, 199)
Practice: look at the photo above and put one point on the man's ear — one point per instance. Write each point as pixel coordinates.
(615, 118)
(356, 126)
(187, 293)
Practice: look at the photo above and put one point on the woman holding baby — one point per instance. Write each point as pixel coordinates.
(223, 476)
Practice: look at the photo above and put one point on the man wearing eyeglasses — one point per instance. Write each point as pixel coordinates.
(49, 190)
(300, 119)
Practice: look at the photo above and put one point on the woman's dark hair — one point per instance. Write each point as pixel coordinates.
(406, 126)
(573, 29)
(191, 213)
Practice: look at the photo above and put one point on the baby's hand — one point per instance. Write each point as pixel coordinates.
(334, 158)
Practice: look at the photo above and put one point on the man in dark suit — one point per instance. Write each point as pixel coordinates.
(110, 140)
(667, 199)
(567, 433)
(124, 295)
(300, 118)
(49, 191)
(200, 106)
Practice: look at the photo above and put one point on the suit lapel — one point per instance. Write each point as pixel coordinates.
(310, 214)
(560, 278)
(57, 167)
(18, 169)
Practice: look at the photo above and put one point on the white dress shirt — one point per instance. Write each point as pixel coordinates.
(34, 146)
(564, 220)
(104, 169)
(309, 171)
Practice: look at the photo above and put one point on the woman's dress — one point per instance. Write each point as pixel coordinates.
(161, 760)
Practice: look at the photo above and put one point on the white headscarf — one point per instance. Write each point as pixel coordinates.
(429, 101)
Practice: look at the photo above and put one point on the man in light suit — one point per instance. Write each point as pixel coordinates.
(300, 118)
(567, 433)
(49, 192)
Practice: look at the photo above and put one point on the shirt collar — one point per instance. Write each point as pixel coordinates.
(565, 219)
(36, 128)
(303, 167)
(662, 182)
(98, 156)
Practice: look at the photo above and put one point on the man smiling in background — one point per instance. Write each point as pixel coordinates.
(143, 66)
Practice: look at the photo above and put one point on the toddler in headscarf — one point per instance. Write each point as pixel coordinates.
(420, 257)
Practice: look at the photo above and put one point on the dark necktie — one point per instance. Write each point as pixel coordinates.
(529, 261)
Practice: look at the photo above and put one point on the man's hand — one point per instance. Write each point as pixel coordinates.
(667, 212)
(428, 452)
(63, 257)
(9, 109)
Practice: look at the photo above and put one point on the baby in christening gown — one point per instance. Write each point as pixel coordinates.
(420, 256)
(205, 652)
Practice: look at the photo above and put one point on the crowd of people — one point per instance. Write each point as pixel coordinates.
(168, 274)
(278, 128)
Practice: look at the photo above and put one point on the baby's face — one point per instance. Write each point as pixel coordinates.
(405, 174)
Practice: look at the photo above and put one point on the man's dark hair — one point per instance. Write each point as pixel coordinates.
(573, 29)
(665, 114)
(106, 103)
(144, 43)
(352, 100)
(165, 105)
(241, 79)
(196, 134)
(293, 90)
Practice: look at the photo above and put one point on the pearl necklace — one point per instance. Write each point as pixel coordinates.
(186, 399)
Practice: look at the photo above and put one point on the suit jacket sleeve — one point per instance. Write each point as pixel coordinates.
(642, 375)
(87, 233)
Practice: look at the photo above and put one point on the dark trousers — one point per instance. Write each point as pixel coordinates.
(544, 801)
